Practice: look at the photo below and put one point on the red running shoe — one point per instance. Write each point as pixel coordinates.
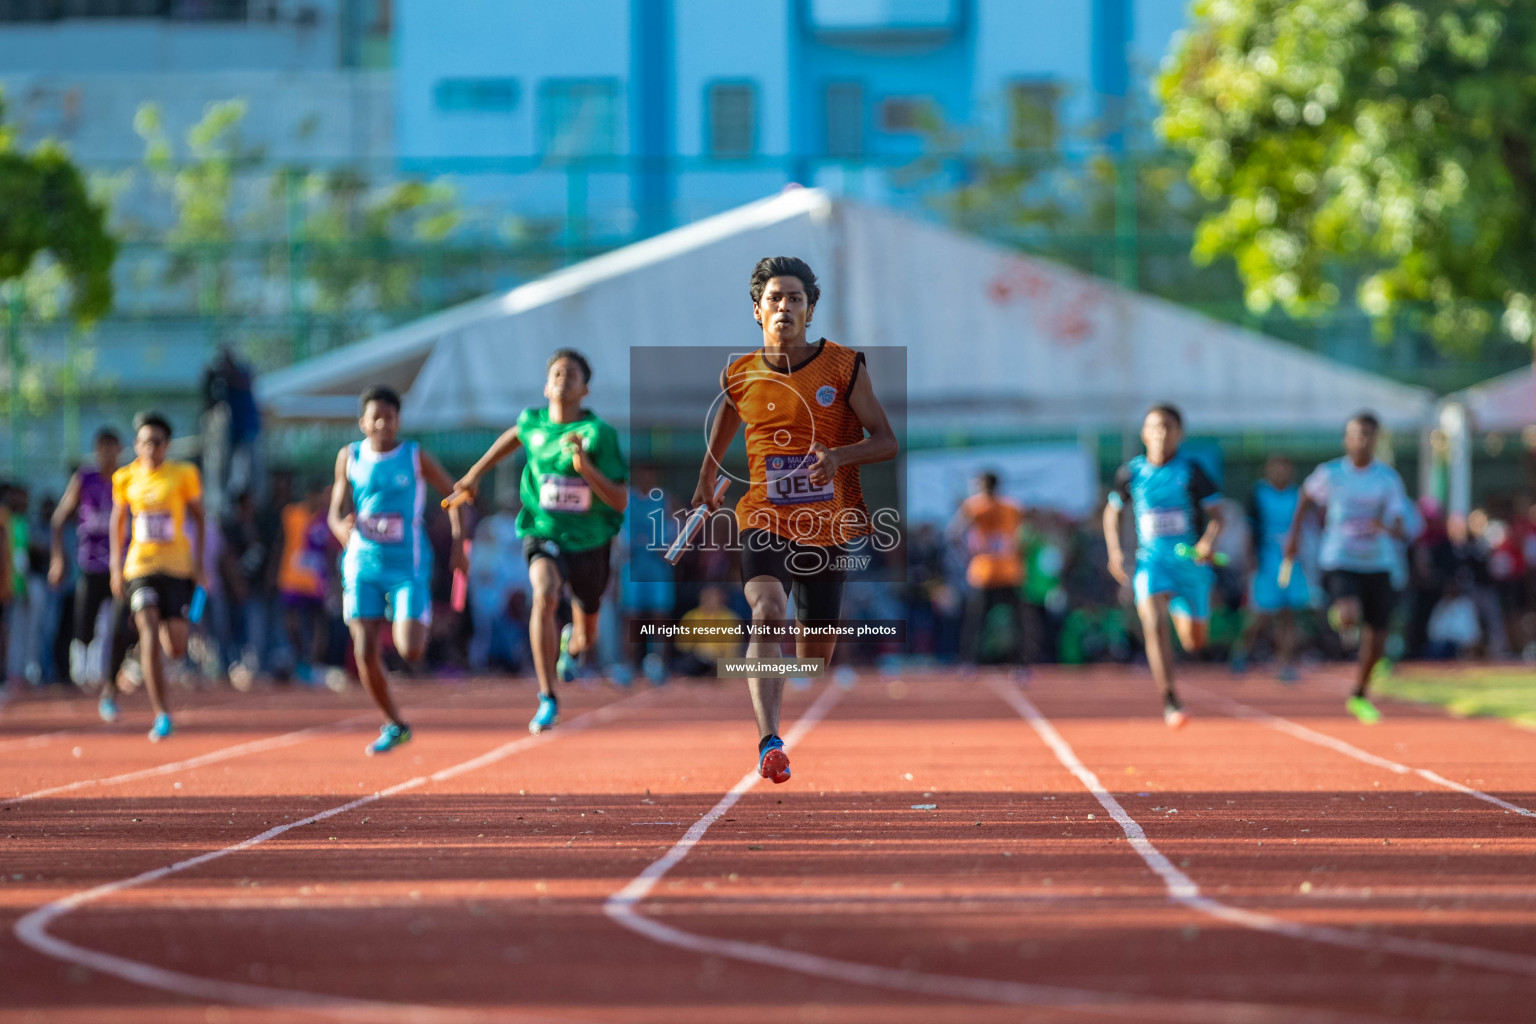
(773, 763)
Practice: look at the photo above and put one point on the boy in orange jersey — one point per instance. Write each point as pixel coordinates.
(162, 565)
(807, 408)
(990, 524)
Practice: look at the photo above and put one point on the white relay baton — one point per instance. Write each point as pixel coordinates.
(695, 518)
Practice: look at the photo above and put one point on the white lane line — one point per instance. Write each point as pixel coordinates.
(623, 907)
(32, 929)
(1239, 710)
(1183, 890)
(287, 739)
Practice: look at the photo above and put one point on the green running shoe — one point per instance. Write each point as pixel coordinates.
(1364, 710)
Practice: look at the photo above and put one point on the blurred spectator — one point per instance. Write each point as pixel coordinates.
(1048, 544)
(1454, 630)
(989, 524)
(233, 453)
(498, 587)
(303, 576)
(646, 587)
(698, 657)
(29, 589)
(244, 574)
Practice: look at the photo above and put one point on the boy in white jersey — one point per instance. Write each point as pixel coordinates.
(1363, 504)
(387, 561)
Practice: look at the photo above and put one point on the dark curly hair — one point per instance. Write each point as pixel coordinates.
(784, 266)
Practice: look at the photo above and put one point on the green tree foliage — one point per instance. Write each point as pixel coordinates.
(49, 220)
(1387, 147)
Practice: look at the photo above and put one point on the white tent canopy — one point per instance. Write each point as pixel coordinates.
(1505, 404)
(995, 340)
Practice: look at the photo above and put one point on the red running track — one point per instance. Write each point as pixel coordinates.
(1273, 861)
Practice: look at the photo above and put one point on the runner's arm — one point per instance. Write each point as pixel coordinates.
(195, 512)
(339, 517)
(438, 477)
(614, 495)
(1216, 522)
(68, 506)
(504, 445)
(1111, 522)
(116, 525)
(1304, 504)
(722, 431)
(879, 446)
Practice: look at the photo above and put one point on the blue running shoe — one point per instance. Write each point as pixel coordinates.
(391, 735)
(773, 762)
(547, 716)
(621, 675)
(655, 669)
(162, 728)
(107, 707)
(565, 667)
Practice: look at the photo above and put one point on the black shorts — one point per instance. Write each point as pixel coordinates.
(1372, 589)
(814, 574)
(585, 572)
(92, 590)
(170, 594)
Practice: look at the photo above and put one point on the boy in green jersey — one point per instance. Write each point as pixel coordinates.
(573, 504)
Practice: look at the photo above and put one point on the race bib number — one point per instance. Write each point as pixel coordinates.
(385, 528)
(789, 481)
(1358, 531)
(1166, 522)
(155, 527)
(564, 494)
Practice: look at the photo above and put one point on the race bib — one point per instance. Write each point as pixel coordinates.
(155, 527)
(1358, 531)
(384, 528)
(1165, 522)
(564, 494)
(789, 481)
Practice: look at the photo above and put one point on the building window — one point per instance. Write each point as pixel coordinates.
(579, 117)
(845, 119)
(732, 113)
(865, 15)
(486, 95)
(902, 115)
(1032, 115)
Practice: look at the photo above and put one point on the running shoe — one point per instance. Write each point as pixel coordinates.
(391, 735)
(1288, 674)
(77, 670)
(1239, 664)
(621, 674)
(1173, 714)
(162, 728)
(1363, 709)
(106, 707)
(773, 762)
(655, 668)
(548, 715)
(565, 667)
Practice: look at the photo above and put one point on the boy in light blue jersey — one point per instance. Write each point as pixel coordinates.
(1178, 518)
(387, 562)
(1271, 508)
(1363, 502)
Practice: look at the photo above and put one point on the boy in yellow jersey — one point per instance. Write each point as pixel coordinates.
(806, 409)
(162, 567)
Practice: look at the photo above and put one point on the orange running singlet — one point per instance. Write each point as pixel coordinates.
(785, 411)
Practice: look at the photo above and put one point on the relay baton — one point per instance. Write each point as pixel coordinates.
(199, 603)
(456, 498)
(1188, 551)
(691, 527)
(1286, 565)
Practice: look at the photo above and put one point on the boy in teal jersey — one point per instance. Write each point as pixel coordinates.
(376, 515)
(1169, 494)
(573, 505)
